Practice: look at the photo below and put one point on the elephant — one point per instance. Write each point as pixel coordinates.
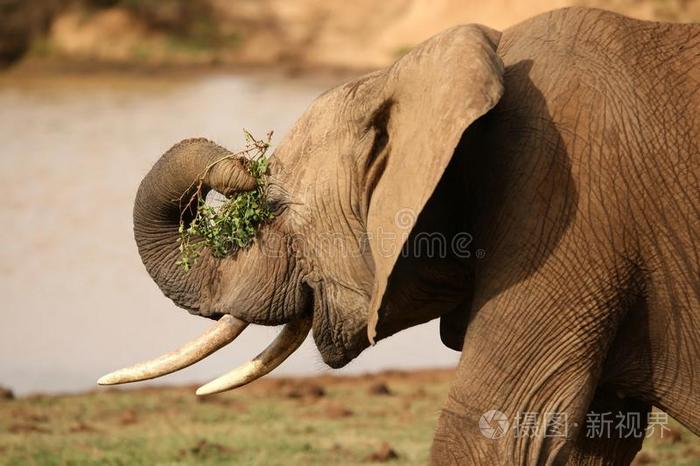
(558, 161)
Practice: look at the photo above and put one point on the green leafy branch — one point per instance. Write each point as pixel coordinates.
(233, 224)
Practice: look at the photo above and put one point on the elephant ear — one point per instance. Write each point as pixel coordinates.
(432, 95)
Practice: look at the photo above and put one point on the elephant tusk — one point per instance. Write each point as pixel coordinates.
(222, 333)
(290, 338)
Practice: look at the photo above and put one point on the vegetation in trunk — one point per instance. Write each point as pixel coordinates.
(234, 224)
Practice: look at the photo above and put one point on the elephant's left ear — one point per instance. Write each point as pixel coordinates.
(428, 99)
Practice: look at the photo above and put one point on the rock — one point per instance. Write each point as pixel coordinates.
(27, 429)
(383, 454)
(336, 411)
(305, 390)
(204, 449)
(82, 428)
(643, 458)
(380, 388)
(6, 394)
(36, 418)
(128, 417)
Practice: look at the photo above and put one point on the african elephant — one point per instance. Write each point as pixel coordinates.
(566, 148)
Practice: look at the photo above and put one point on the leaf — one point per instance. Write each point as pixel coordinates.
(233, 224)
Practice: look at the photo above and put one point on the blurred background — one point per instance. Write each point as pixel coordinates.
(92, 92)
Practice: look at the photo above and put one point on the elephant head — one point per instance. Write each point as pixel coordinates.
(349, 186)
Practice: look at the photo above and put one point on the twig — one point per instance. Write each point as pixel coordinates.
(252, 144)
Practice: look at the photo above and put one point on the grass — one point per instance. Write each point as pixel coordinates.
(320, 421)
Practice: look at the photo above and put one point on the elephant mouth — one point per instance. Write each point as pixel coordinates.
(339, 336)
(336, 349)
(226, 329)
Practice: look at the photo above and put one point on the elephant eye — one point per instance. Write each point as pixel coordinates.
(277, 208)
(277, 198)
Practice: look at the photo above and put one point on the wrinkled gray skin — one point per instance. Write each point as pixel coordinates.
(567, 147)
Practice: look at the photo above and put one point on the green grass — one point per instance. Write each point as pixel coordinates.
(264, 424)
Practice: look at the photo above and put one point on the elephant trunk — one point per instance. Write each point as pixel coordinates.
(196, 166)
(162, 202)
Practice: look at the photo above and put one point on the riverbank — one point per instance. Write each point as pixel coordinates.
(298, 36)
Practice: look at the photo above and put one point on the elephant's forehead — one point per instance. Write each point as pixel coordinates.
(348, 99)
(331, 121)
(326, 115)
(350, 89)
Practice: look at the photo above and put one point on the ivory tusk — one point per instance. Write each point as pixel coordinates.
(290, 338)
(222, 333)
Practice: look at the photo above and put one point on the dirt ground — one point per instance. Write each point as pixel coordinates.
(382, 418)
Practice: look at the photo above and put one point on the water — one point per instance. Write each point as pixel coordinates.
(76, 300)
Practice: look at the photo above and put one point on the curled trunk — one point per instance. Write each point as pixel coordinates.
(158, 208)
